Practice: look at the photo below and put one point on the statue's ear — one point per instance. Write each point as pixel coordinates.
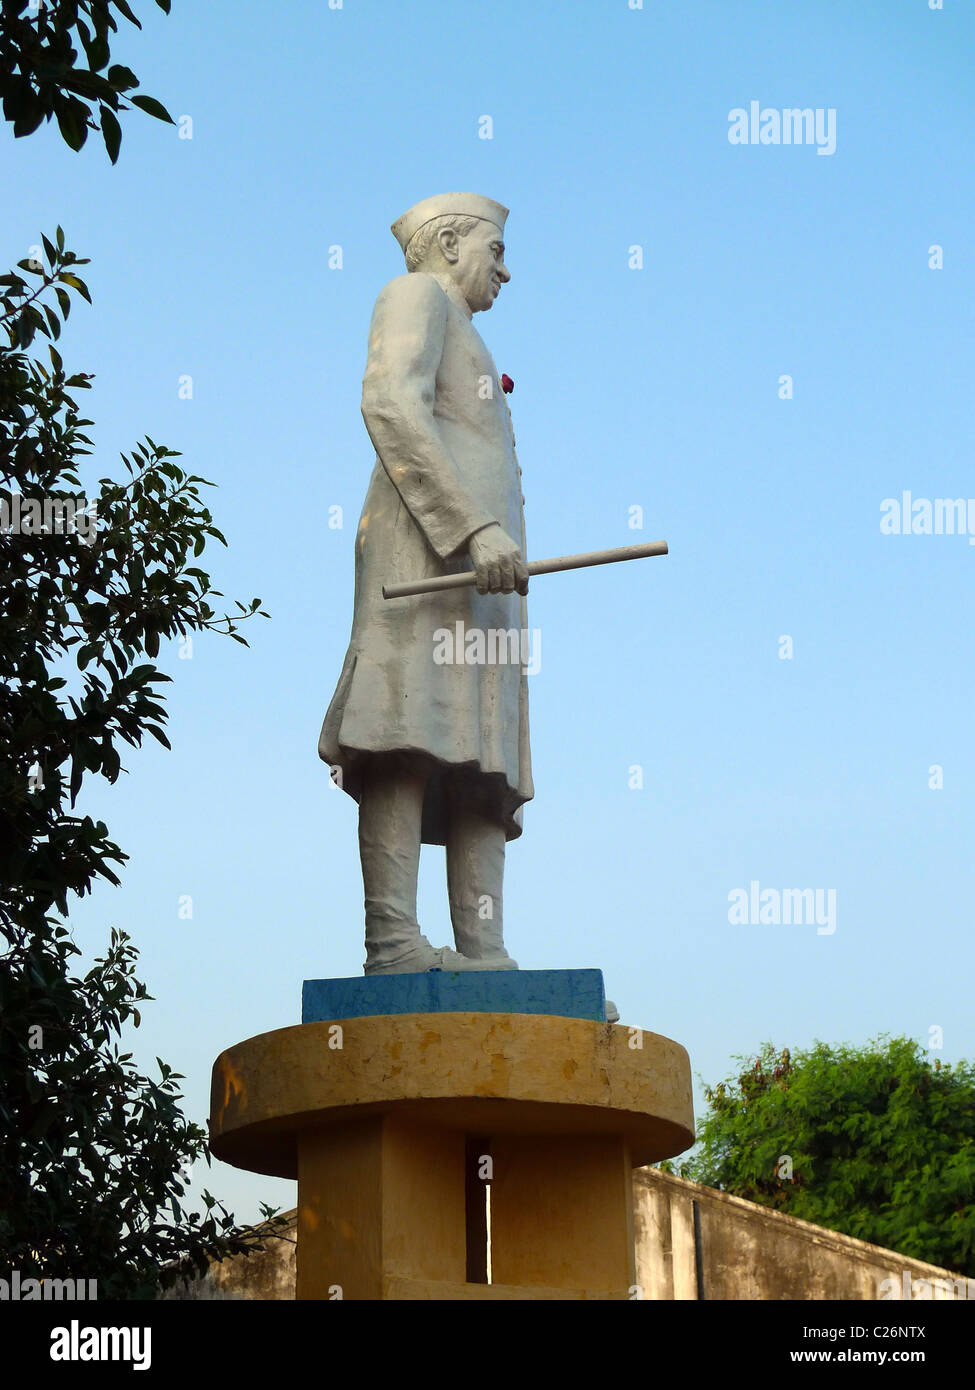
(449, 243)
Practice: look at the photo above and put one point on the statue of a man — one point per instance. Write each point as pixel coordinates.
(436, 751)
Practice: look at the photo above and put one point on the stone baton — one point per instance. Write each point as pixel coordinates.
(553, 566)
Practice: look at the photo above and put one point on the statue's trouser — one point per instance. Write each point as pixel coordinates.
(475, 879)
(390, 816)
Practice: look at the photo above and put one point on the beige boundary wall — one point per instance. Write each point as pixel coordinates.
(692, 1242)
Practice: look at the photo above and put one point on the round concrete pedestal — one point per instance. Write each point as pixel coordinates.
(393, 1124)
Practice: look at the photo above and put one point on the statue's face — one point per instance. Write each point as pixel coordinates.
(479, 270)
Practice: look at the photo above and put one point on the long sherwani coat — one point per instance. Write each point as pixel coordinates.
(445, 467)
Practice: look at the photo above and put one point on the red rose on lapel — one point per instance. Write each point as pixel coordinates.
(507, 385)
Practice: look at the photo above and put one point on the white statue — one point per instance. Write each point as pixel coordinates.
(436, 752)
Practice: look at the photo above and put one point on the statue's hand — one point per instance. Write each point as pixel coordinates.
(498, 562)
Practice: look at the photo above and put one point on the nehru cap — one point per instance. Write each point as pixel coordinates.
(443, 205)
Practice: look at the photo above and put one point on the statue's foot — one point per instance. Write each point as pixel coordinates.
(423, 957)
(485, 950)
(498, 962)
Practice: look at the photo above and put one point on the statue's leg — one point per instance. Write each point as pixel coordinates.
(390, 811)
(475, 881)
(390, 823)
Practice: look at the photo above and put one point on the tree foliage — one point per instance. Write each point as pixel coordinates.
(877, 1142)
(42, 74)
(93, 1154)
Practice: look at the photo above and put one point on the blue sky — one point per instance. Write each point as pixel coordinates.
(658, 388)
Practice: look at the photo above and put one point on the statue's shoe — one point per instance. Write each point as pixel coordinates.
(423, 957)
(485, 948)
(502, 962)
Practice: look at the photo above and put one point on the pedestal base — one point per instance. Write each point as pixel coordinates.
(561, 993)
(394, 1126)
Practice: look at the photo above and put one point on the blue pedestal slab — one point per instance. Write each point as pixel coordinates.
(562, 993)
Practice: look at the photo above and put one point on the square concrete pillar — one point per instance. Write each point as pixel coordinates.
(379, 1200)
(562, 1212)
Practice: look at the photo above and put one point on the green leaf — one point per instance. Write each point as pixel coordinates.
(72, 117)
(76, 284)
(123, 7)
(25, 329)
(122, 78)
(111, 133)
(27, 111)
(153, 107)
(96, 50)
